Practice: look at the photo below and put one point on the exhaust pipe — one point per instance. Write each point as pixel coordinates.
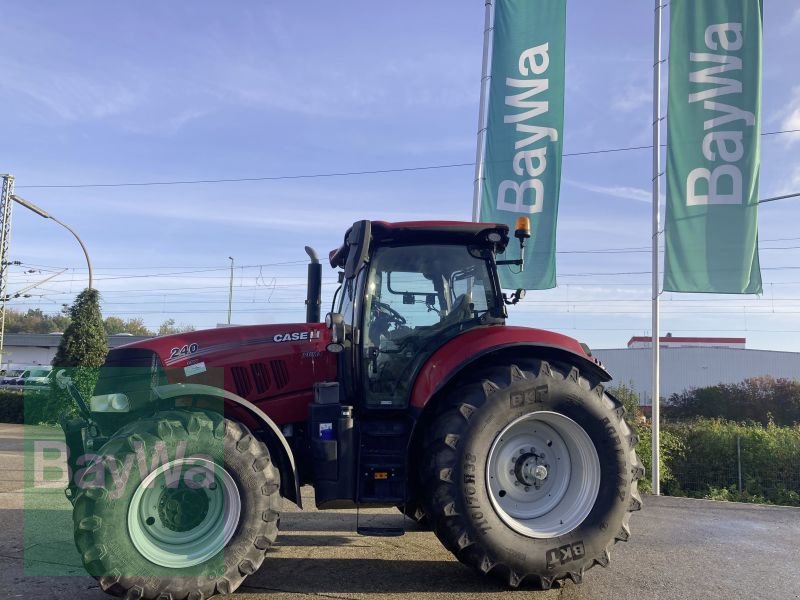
(314, 288)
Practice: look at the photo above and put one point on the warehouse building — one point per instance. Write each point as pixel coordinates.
(22, 350)
(693, 362)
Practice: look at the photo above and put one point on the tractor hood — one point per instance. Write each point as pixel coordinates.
(257, 362)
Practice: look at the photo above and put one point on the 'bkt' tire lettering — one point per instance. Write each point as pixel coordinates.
(565, 554)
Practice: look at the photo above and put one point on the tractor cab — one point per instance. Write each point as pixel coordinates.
(406, 289)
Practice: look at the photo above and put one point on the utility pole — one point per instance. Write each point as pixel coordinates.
(6, 204)
(230, 292)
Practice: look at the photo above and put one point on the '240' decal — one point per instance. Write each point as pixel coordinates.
(185, 350)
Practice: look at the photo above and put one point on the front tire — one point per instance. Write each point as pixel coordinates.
(530, 473)
(183, 505)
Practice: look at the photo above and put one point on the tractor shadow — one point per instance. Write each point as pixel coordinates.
(321, 576)
(319, 553)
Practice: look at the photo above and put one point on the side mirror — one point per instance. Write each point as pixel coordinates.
(62, 380)
(335, 322)
(515, 297)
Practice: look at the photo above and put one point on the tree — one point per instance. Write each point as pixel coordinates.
(759, 399)
(168, 327)
(34, 321)
(82, 349)
(630, 400)
(133, 326)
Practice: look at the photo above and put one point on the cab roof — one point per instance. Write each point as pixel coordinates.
(466, 233)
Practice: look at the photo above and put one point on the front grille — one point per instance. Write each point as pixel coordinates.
(260, 376)
(280, 373)
(241, 380)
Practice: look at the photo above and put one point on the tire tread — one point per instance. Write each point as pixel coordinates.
(440, 459)
(179, 424)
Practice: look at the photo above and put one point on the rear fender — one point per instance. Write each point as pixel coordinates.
(484, 343)
(276, 442)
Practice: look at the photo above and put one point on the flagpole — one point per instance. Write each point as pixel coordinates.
(655, 346)
(479, 152)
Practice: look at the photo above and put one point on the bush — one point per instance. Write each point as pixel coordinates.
(12, 408)
(708, 466)
(31, 407)
(46, 407)
(672, 449)
(699, 456)
(630, 400)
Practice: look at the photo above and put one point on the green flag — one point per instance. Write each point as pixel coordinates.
(524, 132)
(714, 127)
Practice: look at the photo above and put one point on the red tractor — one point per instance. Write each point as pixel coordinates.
(413, 393)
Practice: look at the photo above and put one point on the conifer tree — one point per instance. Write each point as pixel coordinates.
(82, 351)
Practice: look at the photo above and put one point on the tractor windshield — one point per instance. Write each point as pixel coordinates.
(416, 298)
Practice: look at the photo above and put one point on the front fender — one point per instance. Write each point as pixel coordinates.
(463, 350)
(175, 390)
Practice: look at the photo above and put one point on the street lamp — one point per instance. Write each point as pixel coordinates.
(43, 213)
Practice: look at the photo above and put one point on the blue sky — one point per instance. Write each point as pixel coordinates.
(99, 92)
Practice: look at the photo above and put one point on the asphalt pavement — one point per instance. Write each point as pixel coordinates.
(679, 549)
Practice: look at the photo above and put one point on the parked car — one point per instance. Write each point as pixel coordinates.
(36, 377)
(11, 376)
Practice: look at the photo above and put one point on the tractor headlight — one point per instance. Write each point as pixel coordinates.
(110, 403)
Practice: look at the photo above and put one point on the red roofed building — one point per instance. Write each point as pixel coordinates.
(670, 341)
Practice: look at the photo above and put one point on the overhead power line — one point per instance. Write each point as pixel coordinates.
(779, 197)
(210, 268)
(335, 173)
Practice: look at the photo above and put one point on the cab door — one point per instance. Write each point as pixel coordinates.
(350, 307)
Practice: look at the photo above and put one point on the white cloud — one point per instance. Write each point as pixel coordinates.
(791, 184)
(617, 191)
(265, 214)
(791, 118)
(123, 98)
(438, 146)
(793, 23)
(632, 98)
(370, 86)
(68, 95)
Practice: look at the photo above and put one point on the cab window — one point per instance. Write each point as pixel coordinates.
(416, 298)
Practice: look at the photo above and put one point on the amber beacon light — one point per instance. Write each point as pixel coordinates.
(522, 228)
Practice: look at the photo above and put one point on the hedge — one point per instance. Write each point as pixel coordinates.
(31, 407)
(12, 407)
(768, 457)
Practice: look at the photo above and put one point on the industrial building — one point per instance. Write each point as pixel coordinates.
(22, 350)
(693, 362)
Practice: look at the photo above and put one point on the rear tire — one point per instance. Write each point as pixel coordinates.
(193, 535)
(530, 474)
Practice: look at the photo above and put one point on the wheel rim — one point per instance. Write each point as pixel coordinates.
(543, 474)
(180, 517)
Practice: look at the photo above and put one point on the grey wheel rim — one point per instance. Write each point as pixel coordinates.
(543, 474)
(184, 520)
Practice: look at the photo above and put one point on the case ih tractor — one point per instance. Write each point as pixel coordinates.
(413, 393)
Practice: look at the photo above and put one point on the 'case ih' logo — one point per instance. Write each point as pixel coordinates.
(295, 336)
